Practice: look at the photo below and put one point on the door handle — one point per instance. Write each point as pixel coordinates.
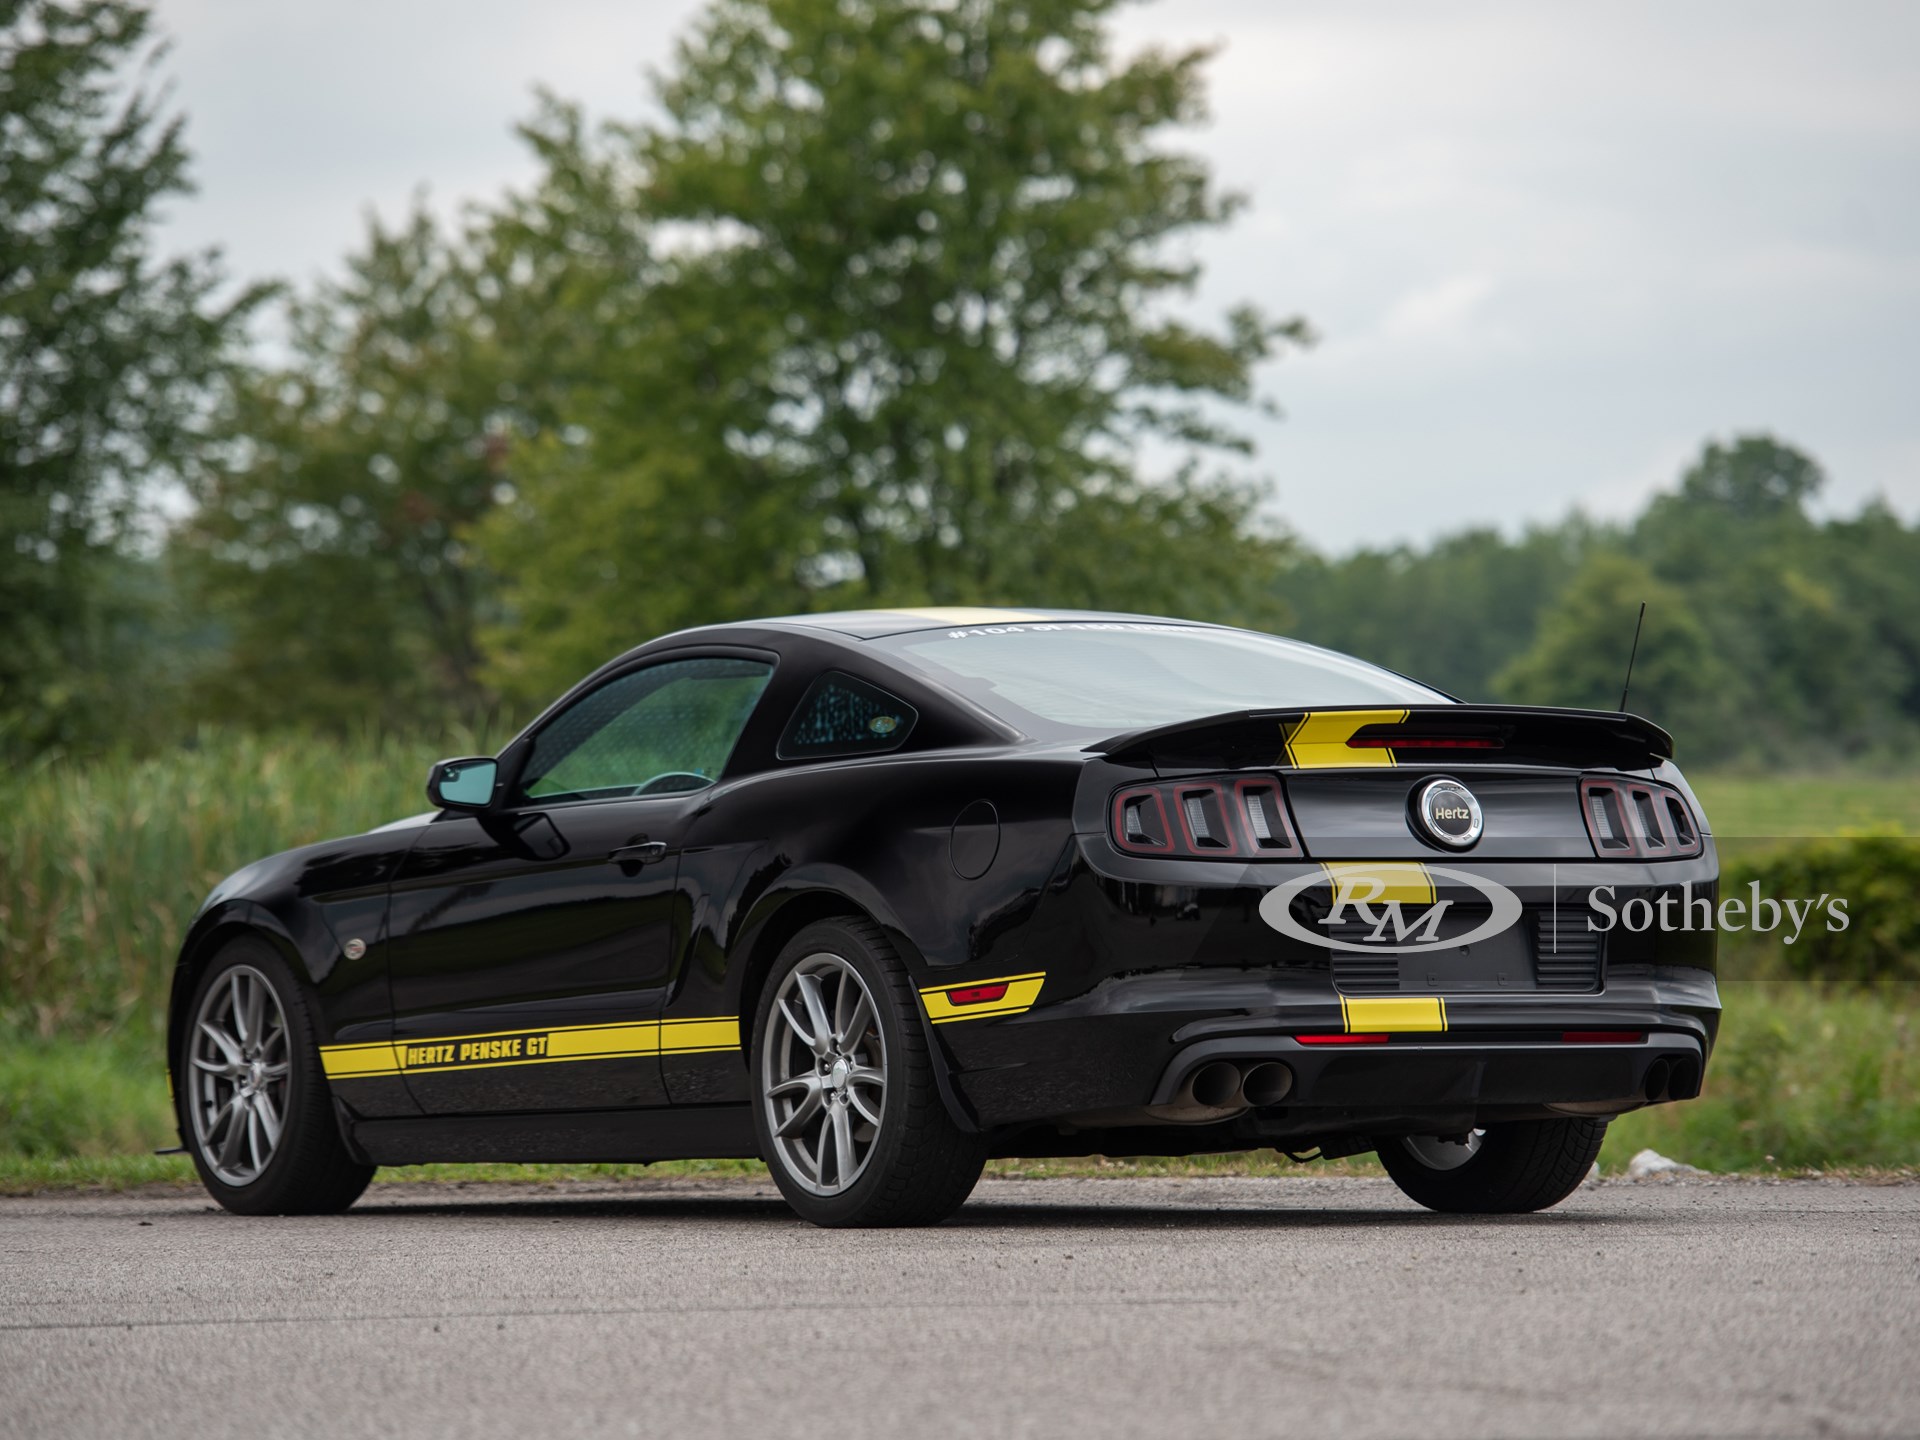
(643, 853)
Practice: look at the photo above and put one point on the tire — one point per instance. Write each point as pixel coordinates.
(287, 1157)
(915, 1167)
(1510, 1169)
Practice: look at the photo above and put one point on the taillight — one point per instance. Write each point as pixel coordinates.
(1638, 820)
(1211, 818)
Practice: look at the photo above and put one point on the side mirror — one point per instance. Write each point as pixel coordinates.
(463, 784)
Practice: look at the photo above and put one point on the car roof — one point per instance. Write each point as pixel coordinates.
(876, 624)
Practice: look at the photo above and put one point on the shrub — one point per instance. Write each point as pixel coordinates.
(1879, 878)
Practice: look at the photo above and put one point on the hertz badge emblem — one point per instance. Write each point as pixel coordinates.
(1448, 814)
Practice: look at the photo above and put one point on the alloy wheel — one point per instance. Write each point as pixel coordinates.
(238, 1067)
(1444, 1152)
(824, 1065)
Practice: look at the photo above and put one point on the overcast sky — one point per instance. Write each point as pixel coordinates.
(1549, 248)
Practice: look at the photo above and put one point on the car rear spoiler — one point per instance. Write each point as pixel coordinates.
(1347, 736)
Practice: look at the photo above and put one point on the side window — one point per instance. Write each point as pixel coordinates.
(657, 731)
(840, 715)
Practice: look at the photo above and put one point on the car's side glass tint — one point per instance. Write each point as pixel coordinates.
(656, 731)
(840, 715)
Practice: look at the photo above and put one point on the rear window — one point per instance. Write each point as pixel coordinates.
(1106, 677)
(840, 715)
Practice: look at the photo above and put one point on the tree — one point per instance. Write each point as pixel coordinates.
(920, 330)
(1451, 614)
(338, 543)
(1580, 652)
(1754, 478)
(1794, 625)
(109, 357)
(329, 544)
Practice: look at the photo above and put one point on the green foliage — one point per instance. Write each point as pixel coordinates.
(1769, 635)
(1802, 634)
(910, 344)
(634, 513)
(108, 357)
(65, 1098)
(102, 863)
(1803, 1078)
(330, 543)
(1771, 805)
(1879, 878)
(1583, 642)
(1452, 614)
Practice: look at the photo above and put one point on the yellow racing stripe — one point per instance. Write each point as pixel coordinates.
(1399, 1014)
(1368, 882)
(1318, 739)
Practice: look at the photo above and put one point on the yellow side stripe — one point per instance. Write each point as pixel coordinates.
(1022, 991)
(498, 1049)
(1400, 1014)
(350, 1061)
(1367, 882)
(686, 1037)
(1318, 739)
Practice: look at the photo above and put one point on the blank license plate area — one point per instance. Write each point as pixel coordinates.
(1499, 962)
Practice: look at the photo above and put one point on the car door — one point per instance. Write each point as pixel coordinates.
(531, 942)
(750, 831)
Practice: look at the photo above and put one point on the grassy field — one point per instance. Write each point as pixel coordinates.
(1804, 1079)
(1800, 806)
(102, 864)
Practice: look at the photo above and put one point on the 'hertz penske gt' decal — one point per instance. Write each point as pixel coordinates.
(1318, 739)
(977, 999)
(531, 1047)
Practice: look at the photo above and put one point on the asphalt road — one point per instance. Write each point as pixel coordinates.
(1161, 1308)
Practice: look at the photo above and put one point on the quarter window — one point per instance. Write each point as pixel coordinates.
(840, 715)
(662, 730)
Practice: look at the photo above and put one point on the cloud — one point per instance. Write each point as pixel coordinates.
(1550, 248)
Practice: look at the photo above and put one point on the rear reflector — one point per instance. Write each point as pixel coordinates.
(976, 994)
(1602, 1037)
(1341, 1039)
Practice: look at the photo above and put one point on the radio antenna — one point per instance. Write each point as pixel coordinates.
(1632, 656)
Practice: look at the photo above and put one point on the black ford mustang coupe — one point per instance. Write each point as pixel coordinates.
(877, 896)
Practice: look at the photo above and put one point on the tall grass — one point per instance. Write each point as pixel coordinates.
(1784, 807)
(102, 864)
(1804, 1077)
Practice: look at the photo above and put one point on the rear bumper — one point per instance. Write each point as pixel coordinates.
(1449, 1074)
(1133, 1040)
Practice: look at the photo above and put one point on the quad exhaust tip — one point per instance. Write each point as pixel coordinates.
(1215, 1085)
(1223, 1085)
(1659, 1077)
(1266, 1082)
